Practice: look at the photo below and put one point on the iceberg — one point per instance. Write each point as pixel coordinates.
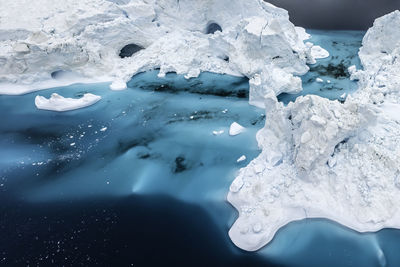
(114, 40)
(324, 159)
(59, 103)
(319, 159)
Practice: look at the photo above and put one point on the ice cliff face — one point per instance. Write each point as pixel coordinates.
(86, 37)
(324, 159)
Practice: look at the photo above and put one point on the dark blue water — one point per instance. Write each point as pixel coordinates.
(139, 179)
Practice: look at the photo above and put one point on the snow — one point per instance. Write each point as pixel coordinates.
(324, 159)
(86, 36)
(236, 129)
(118, 85)
(59, 103)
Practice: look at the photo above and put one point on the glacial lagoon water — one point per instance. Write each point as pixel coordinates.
(139, 179)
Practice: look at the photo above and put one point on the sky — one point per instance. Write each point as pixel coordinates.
(336, 14)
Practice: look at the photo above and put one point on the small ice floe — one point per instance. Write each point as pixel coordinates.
(118, 85)
(218, 132)
(242, 158)
(59, 103)
(103, 129)
(72, 144)
(319, 80)
(236, 129)
(328, 81)
(225, 111)
(318, 52)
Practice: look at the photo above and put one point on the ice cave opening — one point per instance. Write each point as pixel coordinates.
(57, 74)
(213, 27)
(129, 50)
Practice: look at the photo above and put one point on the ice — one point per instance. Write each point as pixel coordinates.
(236, 129)
(328, 159)
(87, 38)
(59, 103)
(242, 158)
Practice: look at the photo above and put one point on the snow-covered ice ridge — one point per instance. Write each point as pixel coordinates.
(324, 159)
(42, 38)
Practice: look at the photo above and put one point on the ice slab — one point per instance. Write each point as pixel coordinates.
(59, 103)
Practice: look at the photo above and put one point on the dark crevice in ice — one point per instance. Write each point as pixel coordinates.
(57, 74)
(213, 27)
(129, 50)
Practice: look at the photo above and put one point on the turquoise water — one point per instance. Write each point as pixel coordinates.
(140, 179)
(343, 48)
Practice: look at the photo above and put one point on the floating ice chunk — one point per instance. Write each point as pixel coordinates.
(318, 52)
(218, 132)
(242, 158)
(328, 81)
(118, 85)
(319, 80)
(103, 129)
(236, 129)
(60, 103)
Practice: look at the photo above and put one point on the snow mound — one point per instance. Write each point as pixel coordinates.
(60, 103)
(324, 159)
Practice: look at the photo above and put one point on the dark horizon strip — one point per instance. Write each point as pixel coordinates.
(336, 14)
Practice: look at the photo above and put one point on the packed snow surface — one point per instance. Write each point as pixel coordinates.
(324, 159)
(59, 103)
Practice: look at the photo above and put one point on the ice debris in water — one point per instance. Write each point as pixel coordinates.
(236, 129)
(59, 103)
(242, 158)
(218, 132)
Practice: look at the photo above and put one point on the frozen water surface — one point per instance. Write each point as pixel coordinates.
(144, 169)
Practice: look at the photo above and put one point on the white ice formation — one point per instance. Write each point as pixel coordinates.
(324, 159)
(42, 38)
(241, 159)
(236, 129)
(60, 103)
